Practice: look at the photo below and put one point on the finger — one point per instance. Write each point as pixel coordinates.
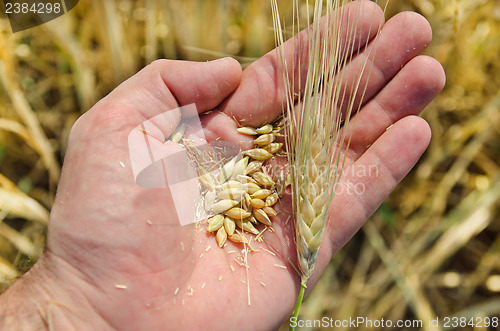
(218, 126)
(407, 94)
(401, 39)
(260, 96)
(162, 86)
(367, 182)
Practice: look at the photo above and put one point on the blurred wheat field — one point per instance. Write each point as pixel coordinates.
(431, 250)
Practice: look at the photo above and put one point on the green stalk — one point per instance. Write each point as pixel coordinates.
(295, 315)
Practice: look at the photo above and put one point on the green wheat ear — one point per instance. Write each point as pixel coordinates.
(316, 110)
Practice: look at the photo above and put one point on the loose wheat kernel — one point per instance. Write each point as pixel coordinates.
(262, 217)
(257, 203)
(238, 238)
(253, 167)
(215, 223)
(229, 225)
(207, 181)
(230, 184)
(273, 148)
(246, 225)
(237, 213)
(221, 237)
(246, 202)
(251, 188)
(178, 133)
(223, 205)
(244, 179)
(263, 179)
(239, 167)
(267, 128)
(271, 200)
(258, 154)
(270, 211)
(247, 130)
(264, 139)
(231, 194)
(261, 194)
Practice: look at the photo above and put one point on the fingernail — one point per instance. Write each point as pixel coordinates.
(222, 59)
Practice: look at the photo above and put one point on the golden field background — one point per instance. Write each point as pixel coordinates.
(431, 250)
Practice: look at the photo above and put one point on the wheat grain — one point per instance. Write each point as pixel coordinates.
(263, 179)
(261, 194)
(246, 225)
(258, 154)
(271, 200)
(178, 133)
(223, 205)
(251, 188)
(270, 211)
(239, 167)
(262, 217)
(227, 170)
(247, 131)
(215, 223)
(246, 203)
(235, 194)
(253, 166)
(257, 203)
(264, 139)
(237, 213)
(221, 237)
(267, 128)
(230, 184)
(252, 219)
(273, 148)
(246, 179)
(238, 238)
(229, 225)
(207, 181)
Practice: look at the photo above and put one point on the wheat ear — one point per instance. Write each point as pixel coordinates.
(316, 111)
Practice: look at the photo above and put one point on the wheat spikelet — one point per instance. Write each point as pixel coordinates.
(312, 185)
(326, 103)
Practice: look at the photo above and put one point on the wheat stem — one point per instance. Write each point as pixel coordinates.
(298, 304)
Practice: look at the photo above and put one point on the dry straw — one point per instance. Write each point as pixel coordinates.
(317, 108)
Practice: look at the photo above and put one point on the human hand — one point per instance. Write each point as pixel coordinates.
(99, 235)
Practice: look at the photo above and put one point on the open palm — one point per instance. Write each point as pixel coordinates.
(115, 248)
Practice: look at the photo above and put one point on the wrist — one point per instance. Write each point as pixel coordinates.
(48, 298)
